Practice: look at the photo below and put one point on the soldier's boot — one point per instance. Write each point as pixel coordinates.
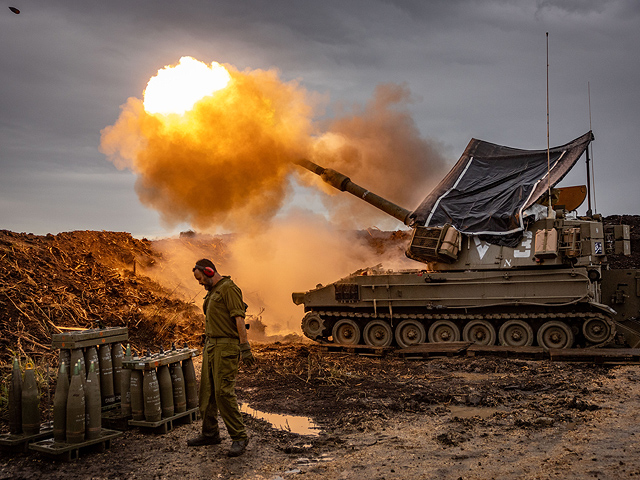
(237, 448)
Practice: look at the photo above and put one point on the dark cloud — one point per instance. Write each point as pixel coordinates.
(475, 69)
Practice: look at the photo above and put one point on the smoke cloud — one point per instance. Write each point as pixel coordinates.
(227, 164)
(380, 147)
(293, 254)
(223, 163)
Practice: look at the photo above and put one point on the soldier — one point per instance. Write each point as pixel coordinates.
(226, 343)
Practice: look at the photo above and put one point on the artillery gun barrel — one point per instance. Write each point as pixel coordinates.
(344, 184)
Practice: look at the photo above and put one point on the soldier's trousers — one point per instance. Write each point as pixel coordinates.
(220, 359)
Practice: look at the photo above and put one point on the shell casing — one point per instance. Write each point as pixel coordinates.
(151, 394)
(60, 404)
(166, 391)
(137, 396)
(177, 382)
(30, 403)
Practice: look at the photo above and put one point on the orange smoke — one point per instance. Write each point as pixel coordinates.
(380, 148)
(293, 254)
(225, 161)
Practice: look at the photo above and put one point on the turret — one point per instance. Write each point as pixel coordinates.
(476, 221)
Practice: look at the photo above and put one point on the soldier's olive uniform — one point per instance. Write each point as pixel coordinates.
(220, 359)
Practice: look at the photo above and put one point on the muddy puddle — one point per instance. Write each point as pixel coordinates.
(290, 423)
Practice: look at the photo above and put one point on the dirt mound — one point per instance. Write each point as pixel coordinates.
(83, 279)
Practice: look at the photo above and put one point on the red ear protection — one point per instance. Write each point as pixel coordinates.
(208, 271)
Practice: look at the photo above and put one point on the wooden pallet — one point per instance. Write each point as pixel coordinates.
(364, 350)
(20, 442)
(531, 353)
(596, 355)
(450, 349)
(436, 349)
(114, 419)
(165, 425)
(71, 451)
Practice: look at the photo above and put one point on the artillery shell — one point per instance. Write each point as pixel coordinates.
(151, 393)
(76, 415)
(77, 355)
(177, 383)
(30, 403)
(125, 386)
(15, 399)
(191, 386)
(93, 405)
(60, 404)
(116, 361)
(106, 374)
(166, 391)
(137, 396)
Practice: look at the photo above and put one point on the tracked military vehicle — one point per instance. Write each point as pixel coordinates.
(502, 262)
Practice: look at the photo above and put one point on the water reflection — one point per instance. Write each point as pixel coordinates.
(290, 423)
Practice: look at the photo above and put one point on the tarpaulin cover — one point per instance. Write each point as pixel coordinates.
(491, 185)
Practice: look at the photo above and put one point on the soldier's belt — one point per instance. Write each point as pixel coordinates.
(221, 340)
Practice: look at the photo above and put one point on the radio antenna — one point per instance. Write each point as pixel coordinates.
(592, 185)
(550, 210)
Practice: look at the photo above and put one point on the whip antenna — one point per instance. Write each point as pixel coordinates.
(592, 184)
(550, 211)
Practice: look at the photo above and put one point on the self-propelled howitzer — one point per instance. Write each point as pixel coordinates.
(501, 263)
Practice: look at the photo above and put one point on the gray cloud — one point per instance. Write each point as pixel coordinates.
(477, 69)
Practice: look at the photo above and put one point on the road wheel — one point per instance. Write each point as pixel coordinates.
(480, 332)
(555, 334)
(410, 332)
(515, 333)
(378, 334)
(346, 332)
(596, 330)
(444, 331)
(313, 325)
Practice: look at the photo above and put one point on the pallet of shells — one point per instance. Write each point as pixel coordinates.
(25, 422)
(162, 389)
(103, 348)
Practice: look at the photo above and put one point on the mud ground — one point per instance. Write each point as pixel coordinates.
(391, 418)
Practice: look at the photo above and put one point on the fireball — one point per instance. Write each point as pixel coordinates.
(176, 89)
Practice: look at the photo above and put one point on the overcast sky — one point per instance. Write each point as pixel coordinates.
(476, 69)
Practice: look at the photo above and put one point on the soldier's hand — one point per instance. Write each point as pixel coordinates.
(246, 355)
